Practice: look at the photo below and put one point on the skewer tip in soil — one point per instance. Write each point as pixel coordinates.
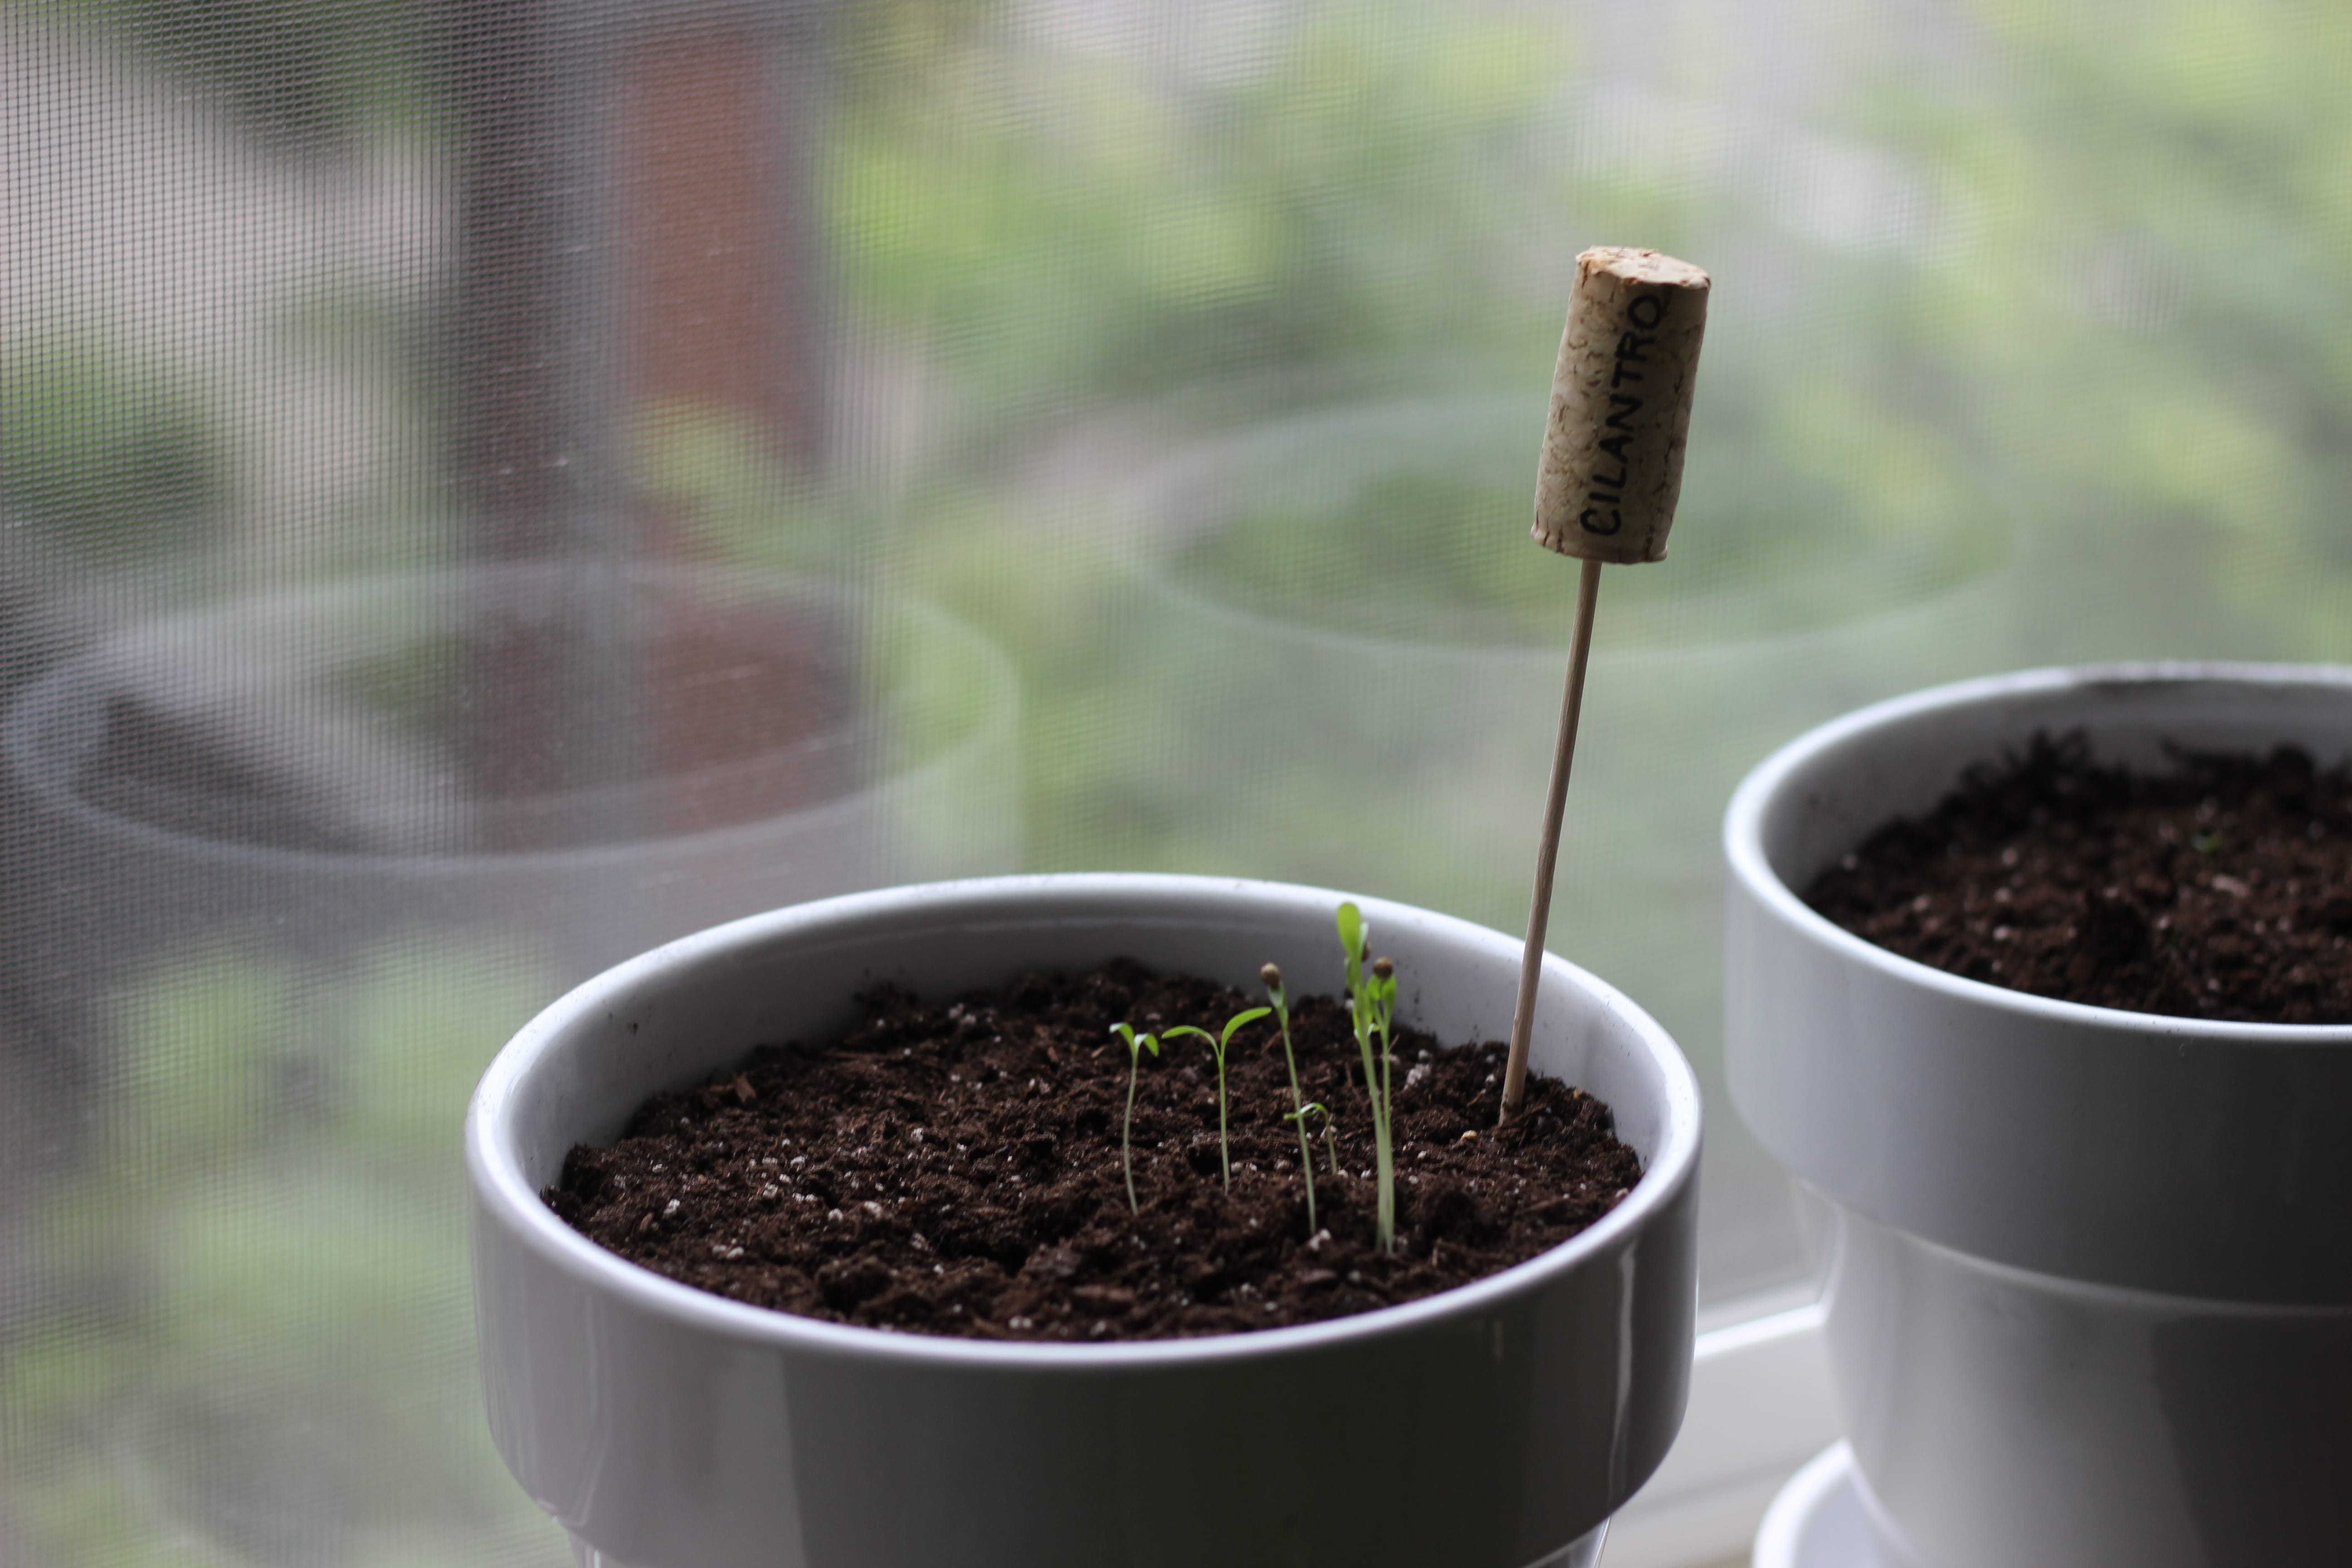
(1606, 486)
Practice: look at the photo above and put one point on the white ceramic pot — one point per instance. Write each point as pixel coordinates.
(2091, 1301)
(1493, 1426)
(1820, 1520)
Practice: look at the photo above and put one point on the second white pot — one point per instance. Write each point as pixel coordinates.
(2091, 1302)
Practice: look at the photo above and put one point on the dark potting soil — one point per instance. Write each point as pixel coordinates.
(954, 1169)
(2221, 888)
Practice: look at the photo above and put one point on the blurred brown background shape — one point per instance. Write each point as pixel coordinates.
(637, 247)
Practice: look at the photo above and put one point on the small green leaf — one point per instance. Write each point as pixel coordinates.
(1355, 941)
(1237, 1020)
(2206, 843)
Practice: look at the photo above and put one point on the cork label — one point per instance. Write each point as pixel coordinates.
(1646, 312)
(1612, 466)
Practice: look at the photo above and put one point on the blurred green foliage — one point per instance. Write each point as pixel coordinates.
(299, 71)
(2146, 315)
(1061, 226)
(712, 469)
(273, 1200)
(106, 447)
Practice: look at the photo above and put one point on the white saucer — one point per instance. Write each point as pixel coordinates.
(1822, 1520)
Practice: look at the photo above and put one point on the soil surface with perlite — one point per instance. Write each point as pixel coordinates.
(2221, 889)
(954, 1169)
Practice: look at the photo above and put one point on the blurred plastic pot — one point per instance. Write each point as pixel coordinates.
(600, 756)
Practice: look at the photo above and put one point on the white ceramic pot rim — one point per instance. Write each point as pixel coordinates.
(500, 1185)
(1743, 841)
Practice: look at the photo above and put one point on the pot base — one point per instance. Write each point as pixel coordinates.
(1583, 1552)
(2010, 1418)
(1825, 1517)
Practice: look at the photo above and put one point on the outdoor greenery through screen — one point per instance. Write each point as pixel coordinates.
(1111, 424)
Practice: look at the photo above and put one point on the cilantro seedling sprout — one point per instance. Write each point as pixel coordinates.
(1136, 1045)
(1371, 1009)
(1217, 1044)
(1274, 994)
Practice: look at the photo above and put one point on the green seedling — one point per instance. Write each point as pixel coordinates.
(1371, 1008)
(1217, 1044)
(1136, 1045)
(1274, 994)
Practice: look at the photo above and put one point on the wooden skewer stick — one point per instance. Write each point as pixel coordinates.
(1563, 753)
(1605, 492)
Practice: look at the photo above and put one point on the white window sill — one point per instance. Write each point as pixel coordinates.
(1760, 1406)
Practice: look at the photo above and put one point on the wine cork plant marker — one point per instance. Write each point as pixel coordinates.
(1605, 491)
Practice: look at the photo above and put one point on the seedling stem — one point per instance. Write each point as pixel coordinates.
(1136, 1045)
(1371, 1008)
(1274, 994)
(1217, 1044)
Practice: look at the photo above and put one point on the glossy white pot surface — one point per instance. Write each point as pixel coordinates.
(2092, 1302)
(1825, 1517)
(2004, 1417)
(2170, 1154)
(1494, 1426)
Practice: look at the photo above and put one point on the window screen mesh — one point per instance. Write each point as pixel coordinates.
(487, 485)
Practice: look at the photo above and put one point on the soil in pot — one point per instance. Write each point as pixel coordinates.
(2219, 888)
(955, 1169)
